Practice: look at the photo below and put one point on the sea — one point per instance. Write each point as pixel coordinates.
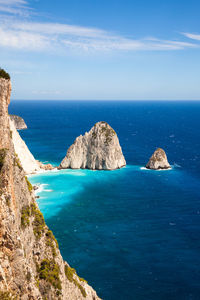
(133, 234)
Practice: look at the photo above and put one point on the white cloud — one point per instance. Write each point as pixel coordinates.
(35, 36)
(59, 29)
(192, 36)
(23, 40)
(20, 33)
(16, 7)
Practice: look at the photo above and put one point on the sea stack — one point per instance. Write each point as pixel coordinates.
(18, 121)
(158, 161)
(98, 149)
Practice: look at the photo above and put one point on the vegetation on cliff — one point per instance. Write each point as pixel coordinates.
(4, 74)
(49, 271)
(2, 157)
(70, 272)
(25, 214)
(7, 296)
(30, 187)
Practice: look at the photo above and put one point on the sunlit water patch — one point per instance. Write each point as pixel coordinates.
(56, 189)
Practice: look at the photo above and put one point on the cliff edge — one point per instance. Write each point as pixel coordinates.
(31, 264)
(98, 149)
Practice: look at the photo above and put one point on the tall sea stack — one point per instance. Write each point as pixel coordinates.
(98, 149)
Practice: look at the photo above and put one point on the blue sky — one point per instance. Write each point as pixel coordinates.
(101, 49)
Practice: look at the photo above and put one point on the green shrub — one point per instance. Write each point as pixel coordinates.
(28, 276)
(70, 272)
(50, 239)
(25, 215)
(33, 208)
(38, 223)
(4, 74)
(51, 236)
(7, 296)
(83, 292)
(2, 157)
(49, 271)
(82, 279)
(17, 162)
(30, 187)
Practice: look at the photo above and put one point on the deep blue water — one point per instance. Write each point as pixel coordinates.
(132, 233)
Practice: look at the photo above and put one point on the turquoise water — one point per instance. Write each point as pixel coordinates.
(132, 233)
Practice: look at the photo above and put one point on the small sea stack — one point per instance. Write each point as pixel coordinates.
(158, 161)
(19, 122)
(98, 149)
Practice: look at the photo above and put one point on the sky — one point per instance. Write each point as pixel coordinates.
(101, 49)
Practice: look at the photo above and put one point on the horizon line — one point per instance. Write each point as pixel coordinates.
(131, 100)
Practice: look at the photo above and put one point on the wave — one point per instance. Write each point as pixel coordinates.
(41, 188)
(176, 165)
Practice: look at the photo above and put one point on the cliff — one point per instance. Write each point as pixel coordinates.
(31, 264)
(19, 122)
(28, 162)
(158, 161)
(25, 157)
(98, 149)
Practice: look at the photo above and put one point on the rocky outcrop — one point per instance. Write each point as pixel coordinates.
(98, 149)
(47, 167)
(158, 160)
(31, 266)
(19, 122)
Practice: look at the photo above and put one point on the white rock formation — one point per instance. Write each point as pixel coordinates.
(98, 149)
(158, 160)
(27, 160)
(19, 122)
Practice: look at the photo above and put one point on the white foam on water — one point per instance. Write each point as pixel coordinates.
(41, 188)
(144, 168)
(177, 165)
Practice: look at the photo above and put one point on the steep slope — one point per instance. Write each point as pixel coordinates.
(31, 266)
(98, 149)
(27, 160)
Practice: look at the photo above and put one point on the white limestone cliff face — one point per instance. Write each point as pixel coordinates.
(158, 161)
(98, 149)
(27, 160)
